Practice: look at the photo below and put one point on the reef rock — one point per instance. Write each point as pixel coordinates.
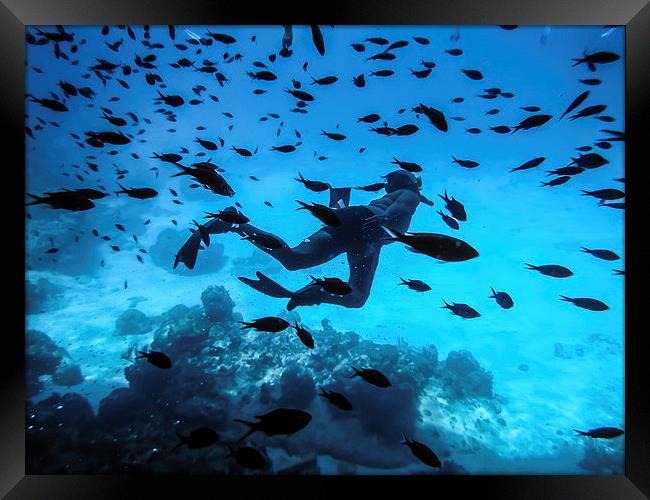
(42, 296)
(217, 303)
(132, 322)
(464, 378)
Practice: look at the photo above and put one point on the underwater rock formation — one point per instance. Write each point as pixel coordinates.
(600, 458)
(44, 357)
(220, 373)
(132, 322)
(42, 296)
(210, 260)
(217, 303)
(464, 378)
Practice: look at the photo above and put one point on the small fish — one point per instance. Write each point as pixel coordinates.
(465, 163)
(372, 376)
(304, 335)
(552, 270)
(530, 164)
(199, 438)
(422, 452)
(266, 324)
(601, 432)
(451, 222)
(602, 254)
(417, 285)
(586, 303)
(334, 286)
(463, 310)
(281, 421)
(158, 359)
(576, 102)
(336, 399)
(473, 74)
(502, 298)
(323, 213)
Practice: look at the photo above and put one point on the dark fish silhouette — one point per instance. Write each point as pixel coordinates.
(454, 52)
(417, 285)
(502, 298)
(51, 104)
(566, 171)
(372, 376)
(596, 58)
(138, 193)
(316, 186)
(199, 438)
(317, 38)
(532, 122)
(557, 181)
(587, 303)
(605, 194)
(304, 335)
(463, 310)
(407, 165)
(576, 102)
(282, 421)
(171, 100)
(450, 221)
(335, 286)
(473, 74)
(158, 359)
(262, 75)
(552, 270)
(422, 452)
(333, 135)
(590, 160)
(266, 324)
(371, 118)
(602, 254)
(589, 111)
(323, 213)
(466, 163)
(336, 399)
(233, 217)
(530, 164)
(437, 118)
(327, 80)
(438, 246)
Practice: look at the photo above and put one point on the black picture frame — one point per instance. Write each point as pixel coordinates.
(634, 14)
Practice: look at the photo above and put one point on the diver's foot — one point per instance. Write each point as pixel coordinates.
(267, 286)
(307, 296)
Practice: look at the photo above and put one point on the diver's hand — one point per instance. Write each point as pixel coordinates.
(307, 296)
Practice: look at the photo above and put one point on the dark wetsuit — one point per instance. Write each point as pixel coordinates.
(360, 236)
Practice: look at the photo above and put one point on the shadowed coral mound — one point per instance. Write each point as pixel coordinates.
(220, 373)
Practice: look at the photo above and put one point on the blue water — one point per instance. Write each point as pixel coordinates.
(511, 219)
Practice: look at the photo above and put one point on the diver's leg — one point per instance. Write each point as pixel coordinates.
(316, 249)
(363, 262)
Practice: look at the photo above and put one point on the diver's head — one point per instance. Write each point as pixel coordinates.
(401, 179)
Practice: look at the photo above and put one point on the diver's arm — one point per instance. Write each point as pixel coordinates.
(404, 203)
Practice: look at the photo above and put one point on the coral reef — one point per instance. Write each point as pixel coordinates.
(464, 377)
(221, 373)
(132, 322)
(42, 296)
(44, 357)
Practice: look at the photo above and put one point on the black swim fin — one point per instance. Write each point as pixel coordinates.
(267, 286)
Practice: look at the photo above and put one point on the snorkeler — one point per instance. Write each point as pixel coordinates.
(360, 235)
